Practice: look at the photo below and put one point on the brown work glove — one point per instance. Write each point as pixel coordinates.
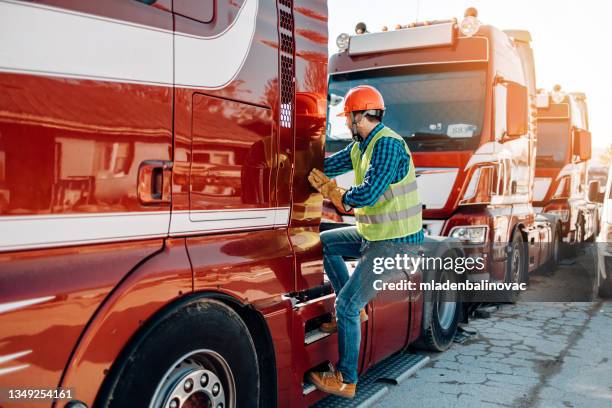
(317, 179)
(328, 188)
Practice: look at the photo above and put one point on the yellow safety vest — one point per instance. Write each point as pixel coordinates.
(397, 212)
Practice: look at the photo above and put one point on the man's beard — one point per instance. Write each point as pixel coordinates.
(356, 136)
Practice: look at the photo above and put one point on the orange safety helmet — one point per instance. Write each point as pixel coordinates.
(362, 98)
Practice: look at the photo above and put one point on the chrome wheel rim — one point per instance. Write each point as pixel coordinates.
(446, 314)
(516, 265)
(199, 379)
(446, 309)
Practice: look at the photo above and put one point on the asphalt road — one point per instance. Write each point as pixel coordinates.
(530, 354)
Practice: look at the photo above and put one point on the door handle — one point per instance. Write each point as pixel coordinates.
(154, 178)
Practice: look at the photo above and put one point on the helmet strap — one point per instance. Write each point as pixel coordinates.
(356, 136)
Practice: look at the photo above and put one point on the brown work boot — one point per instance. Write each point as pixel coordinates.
(333, 325)
(331, 383)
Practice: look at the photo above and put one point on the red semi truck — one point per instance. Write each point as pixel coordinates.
(562, 164)
(159, 240)
(464, 101)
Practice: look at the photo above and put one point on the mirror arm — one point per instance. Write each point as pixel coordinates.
(500, 80)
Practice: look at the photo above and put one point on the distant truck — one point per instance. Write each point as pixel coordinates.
(604, 241)
(562, 164)
(465, 104)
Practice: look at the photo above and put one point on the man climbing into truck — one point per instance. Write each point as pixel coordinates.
(388, 221)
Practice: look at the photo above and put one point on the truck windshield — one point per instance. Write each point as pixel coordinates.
(553, 143)
(435, 110)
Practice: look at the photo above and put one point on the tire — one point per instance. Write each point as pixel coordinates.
(597, 225)
(555, 256)
(445, 316)
(201, 354)
(516, 266)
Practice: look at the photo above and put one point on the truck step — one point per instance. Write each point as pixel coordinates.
(315, 335)
(376, 382)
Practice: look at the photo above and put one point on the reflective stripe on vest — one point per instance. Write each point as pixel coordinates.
(398, 211)
(398, 191)
(396, 216)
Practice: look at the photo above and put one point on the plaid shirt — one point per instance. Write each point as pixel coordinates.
(389, 165)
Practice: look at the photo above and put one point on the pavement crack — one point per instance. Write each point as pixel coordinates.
(552, 366)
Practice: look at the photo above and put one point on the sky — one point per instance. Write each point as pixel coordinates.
(572, 39)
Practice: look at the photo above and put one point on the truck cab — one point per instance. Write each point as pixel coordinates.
(604, 239)
(462, 95)
(159, 240)
(562, 164)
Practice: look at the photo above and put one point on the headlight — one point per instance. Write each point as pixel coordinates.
(557, 95)
(343, 41)
(470, 235)
(469, 26)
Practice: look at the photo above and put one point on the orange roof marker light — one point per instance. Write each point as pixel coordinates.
(470, 24)
(361, 28)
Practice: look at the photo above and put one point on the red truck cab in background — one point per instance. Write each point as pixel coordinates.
(562, 164)
(463, 98)
(159, 240)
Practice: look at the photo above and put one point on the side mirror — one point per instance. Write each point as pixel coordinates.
(334, 100)
(582, 144)
(517, 99)
(594, 195)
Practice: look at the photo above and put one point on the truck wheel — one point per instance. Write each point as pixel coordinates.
(200, 355)
(516, 271)
(555, 255)
(445, 314)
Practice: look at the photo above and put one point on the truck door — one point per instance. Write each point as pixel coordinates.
(226, 148)
(76, 127)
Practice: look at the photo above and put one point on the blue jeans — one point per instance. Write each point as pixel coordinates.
(354, 292)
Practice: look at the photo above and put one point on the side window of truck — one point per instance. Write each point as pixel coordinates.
(231, 155)
(563, 189)
(199, 10)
